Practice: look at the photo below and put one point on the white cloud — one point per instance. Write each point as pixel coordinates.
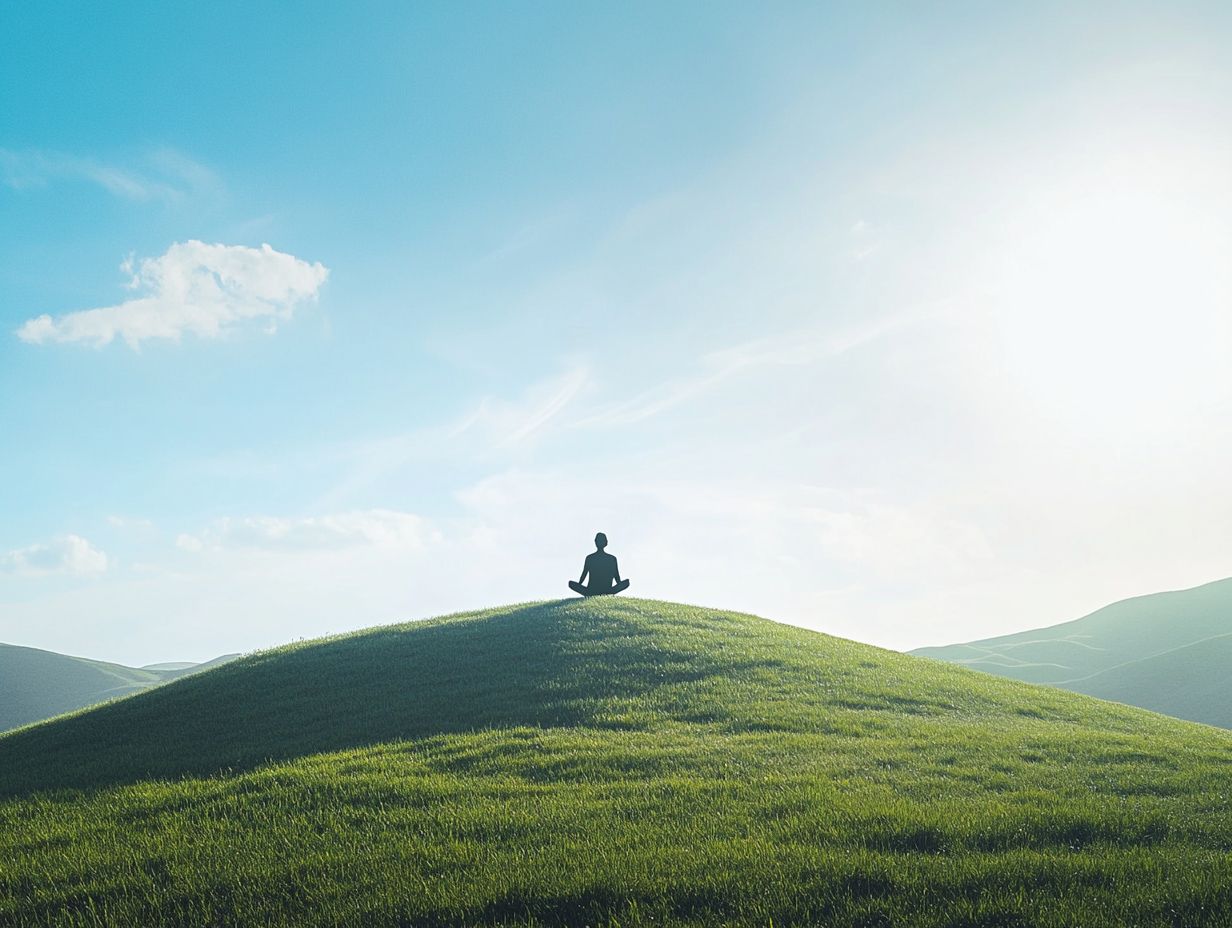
(70, 554)
(194, 288)
(187, 542)
(383, 528)
(164, 175)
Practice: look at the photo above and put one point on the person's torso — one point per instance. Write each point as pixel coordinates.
(602, 567)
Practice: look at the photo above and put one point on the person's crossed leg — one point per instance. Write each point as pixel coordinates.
(588, 591)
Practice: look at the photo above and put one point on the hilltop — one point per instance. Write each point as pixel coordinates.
(1169, 652)
(611, 762)
(37, 684)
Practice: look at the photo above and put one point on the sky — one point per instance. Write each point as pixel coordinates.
(910, 323)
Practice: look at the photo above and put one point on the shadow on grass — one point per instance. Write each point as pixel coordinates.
(543, 665)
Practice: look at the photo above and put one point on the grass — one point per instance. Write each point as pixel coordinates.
(618, 762)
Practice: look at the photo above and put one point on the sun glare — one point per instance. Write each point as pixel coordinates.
(1113, 292)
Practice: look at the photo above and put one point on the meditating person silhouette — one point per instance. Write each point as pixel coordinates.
(604, 574)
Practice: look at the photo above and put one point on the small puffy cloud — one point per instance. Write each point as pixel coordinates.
(372, 527)
(70, 554)
(187, 542)
(195, 288)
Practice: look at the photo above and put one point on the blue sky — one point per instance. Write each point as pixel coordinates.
(907, 324)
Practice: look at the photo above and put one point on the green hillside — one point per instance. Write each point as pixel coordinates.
(37, 685)
(1193, 682)
(1167, 652)
(619, 762)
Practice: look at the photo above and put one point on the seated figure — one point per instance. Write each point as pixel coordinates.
(603, 572)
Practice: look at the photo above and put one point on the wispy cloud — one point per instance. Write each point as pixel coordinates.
(66, 554)
(492, 426)
(865, 240)
(850, 532)
(511, 423)
(130, 523)
(373, 527)
(794, 349)
(163, 175)
(193, 288)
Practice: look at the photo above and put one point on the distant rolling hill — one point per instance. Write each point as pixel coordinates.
(170, 665)
(614, 762)
(1169, 652)
(36, 684)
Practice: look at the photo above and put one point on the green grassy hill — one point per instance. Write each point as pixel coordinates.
(1192, 682)
(37, 685)
(613, 762)
(1167, 652)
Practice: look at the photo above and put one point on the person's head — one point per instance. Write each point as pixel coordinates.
(600, 541)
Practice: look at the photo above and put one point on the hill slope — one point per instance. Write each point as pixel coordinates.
(613, 762)
(1193, 682)
(1166, 652)
(37, 685)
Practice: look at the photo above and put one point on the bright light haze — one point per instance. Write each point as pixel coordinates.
(908, 325)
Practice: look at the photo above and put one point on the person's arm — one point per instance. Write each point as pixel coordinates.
(585, 571)
(616, 569)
